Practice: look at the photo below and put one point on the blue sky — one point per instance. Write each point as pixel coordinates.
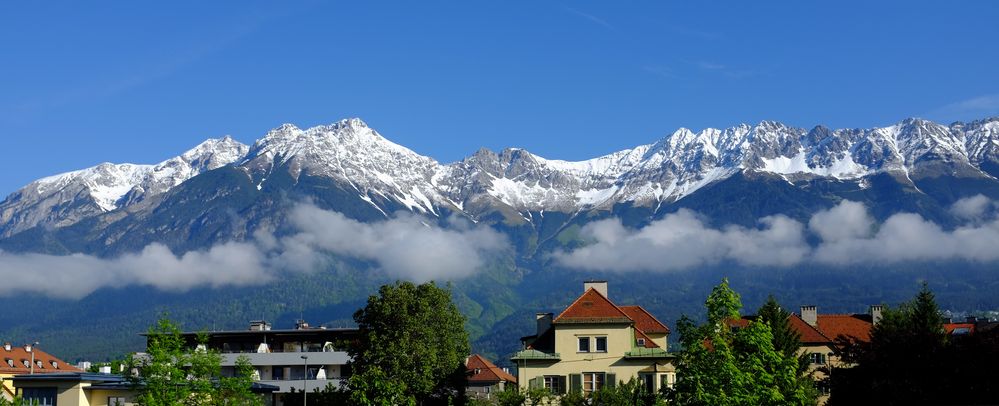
(140, 82)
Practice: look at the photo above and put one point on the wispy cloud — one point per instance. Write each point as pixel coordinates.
(402, 247)
(973, 108)
(591, 18)
(847, 235)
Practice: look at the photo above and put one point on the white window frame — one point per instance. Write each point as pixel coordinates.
(579, 344)
(596, 344)
(596, 381)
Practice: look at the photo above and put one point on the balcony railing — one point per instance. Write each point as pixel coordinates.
(536, 355)
(640, 352)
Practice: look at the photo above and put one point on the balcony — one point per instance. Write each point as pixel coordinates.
(535, 355)
(288, 358)
(647, 353)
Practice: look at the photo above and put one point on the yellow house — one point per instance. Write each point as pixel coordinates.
(89, 389)
(15, 360)
(74, 389)
(594, 343)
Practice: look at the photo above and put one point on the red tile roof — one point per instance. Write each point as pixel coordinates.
(644, 320)
(481, 370)
(950, 327)
(809, 334)
(592, 307)
(18, 356)
(834, 326)
(648, 341)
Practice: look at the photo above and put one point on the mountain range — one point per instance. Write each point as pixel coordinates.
(222, 190)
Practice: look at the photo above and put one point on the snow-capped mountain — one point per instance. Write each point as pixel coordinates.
(64, 199)
(387, 176)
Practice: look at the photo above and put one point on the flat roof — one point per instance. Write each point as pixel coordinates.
(70, 376)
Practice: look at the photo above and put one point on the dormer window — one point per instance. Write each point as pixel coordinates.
(39, 363)
(26, 363)
(55, 365)
(10, 362)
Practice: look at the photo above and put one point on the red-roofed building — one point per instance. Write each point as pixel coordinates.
(485, 378)
(821, 335)
(28, 359)
(595, 343)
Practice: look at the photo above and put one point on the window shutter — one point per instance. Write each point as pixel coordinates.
(611, 380)
(535, 383)
(576, 382)
(561, 385)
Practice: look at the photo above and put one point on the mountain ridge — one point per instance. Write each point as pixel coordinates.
(514, 180)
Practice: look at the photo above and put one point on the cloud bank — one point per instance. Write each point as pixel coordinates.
(402, 247)
(847, 235)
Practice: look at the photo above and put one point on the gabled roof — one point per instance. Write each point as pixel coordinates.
(18, 356)
(809, 334)
(834, 326)
(648, 341)
(959, 328)
(482, 371)
(644, 320)
(592, 307)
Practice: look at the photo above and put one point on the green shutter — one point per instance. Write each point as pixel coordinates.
(610, 380)
(561, 385)
(535, 383)
(576, 382)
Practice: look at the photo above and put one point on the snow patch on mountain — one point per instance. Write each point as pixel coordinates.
(389, 176)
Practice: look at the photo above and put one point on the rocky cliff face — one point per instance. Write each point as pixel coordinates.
(387, 176)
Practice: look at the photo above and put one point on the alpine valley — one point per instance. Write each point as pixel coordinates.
(222, 191)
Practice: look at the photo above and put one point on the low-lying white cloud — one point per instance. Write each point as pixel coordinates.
(682, 240)
(846, 235)
(972, 208)
(403, 247)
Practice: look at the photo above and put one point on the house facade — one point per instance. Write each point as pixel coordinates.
(74, 389)
(485, 378)
(303, 358)
(28, 359)
(594, 343)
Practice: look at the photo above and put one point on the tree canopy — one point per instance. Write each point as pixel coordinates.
(911, 360)
(171, 373)
(723, 365)
(414, 347)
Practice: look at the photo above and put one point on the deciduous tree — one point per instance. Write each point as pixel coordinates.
(414, 347)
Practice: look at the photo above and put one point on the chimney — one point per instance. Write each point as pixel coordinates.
(544, 322)
(599, 286)
(301, 324)
(876, 313)
(810, 314)
(105, 369)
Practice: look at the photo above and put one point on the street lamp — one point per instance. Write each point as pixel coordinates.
(305, 382)
(31, 349)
